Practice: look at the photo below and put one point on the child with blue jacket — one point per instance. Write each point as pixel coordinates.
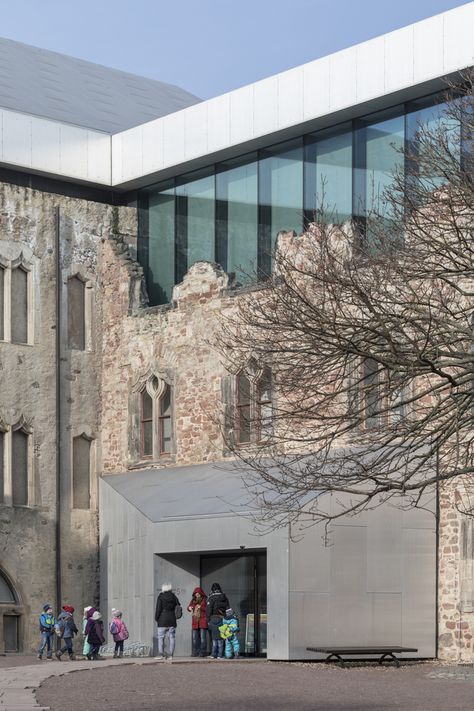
(46, 625)
(229, 632)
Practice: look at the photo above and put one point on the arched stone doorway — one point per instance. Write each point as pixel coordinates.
(10, 616)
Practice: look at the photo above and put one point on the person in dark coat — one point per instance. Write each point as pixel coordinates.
(165, 616)
(197, 607)
(217, 601)
(95, 634)
(68, 630)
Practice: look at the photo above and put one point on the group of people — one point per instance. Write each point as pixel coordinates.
(64, 629)
(213, 624)
(212, 619)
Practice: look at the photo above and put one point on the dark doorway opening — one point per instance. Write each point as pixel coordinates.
(243, 577)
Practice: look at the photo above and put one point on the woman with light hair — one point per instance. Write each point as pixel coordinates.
(168, 609)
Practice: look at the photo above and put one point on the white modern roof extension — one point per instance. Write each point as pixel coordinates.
(384, 71)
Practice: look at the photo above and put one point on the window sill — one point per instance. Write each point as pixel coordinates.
(160, 463)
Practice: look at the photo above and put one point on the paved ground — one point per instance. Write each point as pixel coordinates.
(255, 686)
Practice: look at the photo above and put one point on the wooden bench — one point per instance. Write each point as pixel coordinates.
(336, 653)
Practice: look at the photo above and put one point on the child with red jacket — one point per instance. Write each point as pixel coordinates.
(197, 608)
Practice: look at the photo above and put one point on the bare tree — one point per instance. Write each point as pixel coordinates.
(367, 327)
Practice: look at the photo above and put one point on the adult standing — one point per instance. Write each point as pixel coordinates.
(165, 616)
(216, 602)
(197, 608)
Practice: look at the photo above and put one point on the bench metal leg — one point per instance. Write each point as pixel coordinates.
(337, 658)
(389, 656)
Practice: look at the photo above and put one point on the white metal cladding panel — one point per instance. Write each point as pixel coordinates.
(74, 149)
(290, 97)
(16, 138)
(316, 88)
(218, 122)
(428, 48)
(399, 59)
(265, 107)
(343, 79)
(241, 115)
(458, 37)
(46, 145)
(152, 136)
(173, 139)
(370, 69)
(195, 131)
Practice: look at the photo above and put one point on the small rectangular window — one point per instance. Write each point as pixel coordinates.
(20, 468)
(2, 467)
(81, 455)
(165, 421)
(243, 409)
(76, 328)
(2, 304)
(146, 424)
(19, 302)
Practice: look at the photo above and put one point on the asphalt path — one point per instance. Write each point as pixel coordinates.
(256, 686)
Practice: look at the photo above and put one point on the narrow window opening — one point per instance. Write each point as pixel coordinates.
(164, 421)
(146, 424)
(19, 305)
(76, 314)
(20, 468)
(264, 407)
(243, 409)
(81, 487)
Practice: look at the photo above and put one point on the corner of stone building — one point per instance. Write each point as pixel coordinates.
(455, 577)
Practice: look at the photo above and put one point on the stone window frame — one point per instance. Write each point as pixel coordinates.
(90, 436)
(155, 383)
(8, 265)
(358, 397)
(77, 271)
(24, 425)
(230, 395)
(11, 609)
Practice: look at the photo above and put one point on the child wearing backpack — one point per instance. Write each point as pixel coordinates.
(66, 629)
(46, 625)
(119, 632)
(229, 632)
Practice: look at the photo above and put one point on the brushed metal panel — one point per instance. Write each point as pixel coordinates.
(385, 619)
(384, 550)
(419, 590)
(310, 562)
(310, 623)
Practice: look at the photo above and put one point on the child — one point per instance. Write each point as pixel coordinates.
(86, 648)
(119, 631)
(95, 634)
(215, 621)
(229, 631)
(66, 629)
(46, 625)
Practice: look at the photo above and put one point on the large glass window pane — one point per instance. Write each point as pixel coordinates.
(160, 227)
(429, 125)
(328, 176)
(20, 468)
(19, 297)
(281, 197)
(379, 157)
(237, 218)
(195, 226)
(81, 455)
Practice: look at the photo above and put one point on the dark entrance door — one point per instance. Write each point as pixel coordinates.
(243, 577)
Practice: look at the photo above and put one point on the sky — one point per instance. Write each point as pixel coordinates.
(206, 46)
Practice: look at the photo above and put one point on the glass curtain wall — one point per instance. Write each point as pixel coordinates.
(232, 212)
(281, 197)
(328, 176)
(237, 217)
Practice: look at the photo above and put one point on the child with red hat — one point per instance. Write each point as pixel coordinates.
(66, 629)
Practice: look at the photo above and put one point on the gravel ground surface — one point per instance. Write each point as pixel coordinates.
(207, 685)
(16, 660)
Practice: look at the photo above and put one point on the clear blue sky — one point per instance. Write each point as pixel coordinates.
(206, 46)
